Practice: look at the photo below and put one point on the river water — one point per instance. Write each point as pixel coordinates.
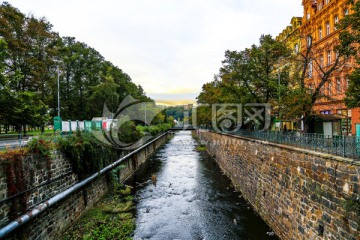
(191, 198)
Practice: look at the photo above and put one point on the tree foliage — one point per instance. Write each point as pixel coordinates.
(33, 57)
(350, 39)
(291, 83)
(248, 76)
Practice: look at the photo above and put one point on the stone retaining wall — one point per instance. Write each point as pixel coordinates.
(301, 194)
(55, 219)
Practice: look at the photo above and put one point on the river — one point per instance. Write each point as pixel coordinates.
(191, 198)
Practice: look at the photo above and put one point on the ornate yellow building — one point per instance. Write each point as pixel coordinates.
(291, 35)
(319, 31)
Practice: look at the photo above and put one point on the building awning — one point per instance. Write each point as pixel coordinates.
(330, 117)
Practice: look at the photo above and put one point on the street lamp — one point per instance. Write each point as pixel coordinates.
(58, 89)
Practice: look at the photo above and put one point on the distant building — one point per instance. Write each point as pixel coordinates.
(291, 35)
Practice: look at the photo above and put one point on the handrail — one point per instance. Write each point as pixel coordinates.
(344, 146)
(43, 206)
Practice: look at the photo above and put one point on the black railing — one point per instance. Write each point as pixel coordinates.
(344, 146)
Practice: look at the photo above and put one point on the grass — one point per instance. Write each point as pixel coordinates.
(110, 219)
(201, 147)
(33, 132)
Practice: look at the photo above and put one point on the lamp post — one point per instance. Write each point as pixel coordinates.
(58, 89)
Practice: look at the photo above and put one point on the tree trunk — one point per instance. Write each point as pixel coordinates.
(307, 123)
(24, 129)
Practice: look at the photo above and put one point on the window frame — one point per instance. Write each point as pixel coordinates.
(327, 28)
(329, 57)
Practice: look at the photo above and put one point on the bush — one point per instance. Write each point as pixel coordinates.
(86, 153)
(155, 130)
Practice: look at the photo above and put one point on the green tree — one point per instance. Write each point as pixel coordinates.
(248, 76)
(33, 57)
(251, 74)
(28, 109)
(350, 39)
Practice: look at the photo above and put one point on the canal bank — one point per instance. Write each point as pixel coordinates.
(63, 197)
(300, 193)
(181, 193)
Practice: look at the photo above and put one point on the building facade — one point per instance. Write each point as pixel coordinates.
(291, 35)
(319, 31)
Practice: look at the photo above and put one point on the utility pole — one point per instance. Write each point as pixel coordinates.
(58, 85)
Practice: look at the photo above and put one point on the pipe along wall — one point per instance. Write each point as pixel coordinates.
(69, 198)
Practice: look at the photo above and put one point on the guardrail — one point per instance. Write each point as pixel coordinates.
(11, 141)
(344, 146)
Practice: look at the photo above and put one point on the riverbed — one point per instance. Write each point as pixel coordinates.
(181, 193)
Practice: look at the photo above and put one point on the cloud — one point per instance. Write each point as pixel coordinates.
(167, 46)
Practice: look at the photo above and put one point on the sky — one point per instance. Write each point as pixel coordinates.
(170, 47)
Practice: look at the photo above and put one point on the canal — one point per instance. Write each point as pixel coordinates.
(181, 193)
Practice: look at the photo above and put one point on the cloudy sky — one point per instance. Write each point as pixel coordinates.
(170, 47)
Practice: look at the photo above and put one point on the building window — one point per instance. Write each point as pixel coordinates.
(309, 40)
(328, 58)
(327, 28)
(337, 55)
(325, 112)
(321, 61)
(320, 6)
(296, 48)
(320, 33)
(336, 21)
(307, 16)
(330, 88)
(310, 71)
(346, 11)
(338, 85)
(327, 2)
(346, 82)
(322, 89)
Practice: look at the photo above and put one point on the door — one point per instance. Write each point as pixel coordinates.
(357, 130)
(328, 129)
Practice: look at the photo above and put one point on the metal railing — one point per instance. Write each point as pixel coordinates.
(60, 196)
(12, 141)
(344, 146)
